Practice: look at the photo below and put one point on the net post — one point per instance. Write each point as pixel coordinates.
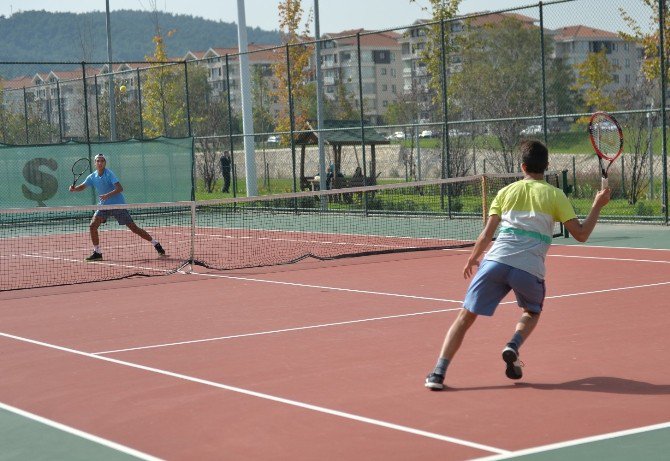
(484, 198)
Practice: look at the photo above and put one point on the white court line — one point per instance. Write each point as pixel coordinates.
(78, 433)
(609, 247)
(260, 395)
(572, 443)
(350, 322)
(284, 330)
(612, 259)
(100, 263)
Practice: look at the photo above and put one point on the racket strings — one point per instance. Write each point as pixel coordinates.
(606, 137)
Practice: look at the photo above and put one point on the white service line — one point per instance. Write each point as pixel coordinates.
(572, 443)
(321, 287)
(78, 433)
(602, 258)
(284, 330)
(294, 403)
(350, 322)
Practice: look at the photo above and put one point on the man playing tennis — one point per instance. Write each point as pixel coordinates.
(109, 189)
(527, 210)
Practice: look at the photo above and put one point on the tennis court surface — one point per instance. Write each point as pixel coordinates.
(326, 360)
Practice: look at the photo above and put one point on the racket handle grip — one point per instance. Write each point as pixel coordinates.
(604, 184)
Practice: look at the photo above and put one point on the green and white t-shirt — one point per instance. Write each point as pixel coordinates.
(528, 209)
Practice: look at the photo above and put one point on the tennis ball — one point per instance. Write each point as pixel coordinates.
(122, 88)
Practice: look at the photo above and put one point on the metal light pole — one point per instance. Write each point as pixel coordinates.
(247, 118)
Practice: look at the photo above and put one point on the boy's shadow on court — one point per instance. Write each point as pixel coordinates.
(605, 384)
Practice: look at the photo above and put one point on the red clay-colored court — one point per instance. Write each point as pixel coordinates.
(326, 360)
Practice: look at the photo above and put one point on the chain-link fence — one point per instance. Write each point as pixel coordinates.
(429, 100)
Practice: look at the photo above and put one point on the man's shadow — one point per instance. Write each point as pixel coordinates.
(605, 384)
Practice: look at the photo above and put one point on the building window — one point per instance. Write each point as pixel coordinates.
(385, 87)
(381, 56)
(383, 71)
(385, 103)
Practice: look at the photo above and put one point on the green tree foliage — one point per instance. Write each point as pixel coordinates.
(432, 54)
(209, 121)
(593, 76)
(163, 95)
(262, 100)
(500, 78)
(299, 72)
(651, 62)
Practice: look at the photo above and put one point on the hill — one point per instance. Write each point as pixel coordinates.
(70, 37)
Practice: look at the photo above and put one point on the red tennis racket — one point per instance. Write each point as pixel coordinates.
(607, 140)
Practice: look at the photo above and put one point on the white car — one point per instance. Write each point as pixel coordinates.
(273, 140)
(533, 129)
(426, 134)
(398, 135)
(456, 133)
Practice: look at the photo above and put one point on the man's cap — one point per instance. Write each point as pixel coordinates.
(102, 156)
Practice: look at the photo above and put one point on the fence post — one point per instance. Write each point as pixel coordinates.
(188, 105)
(230, 128)
(291, 114)
(446, 157)
(60, 112)
(83, 79)
(97, 106)
(139, 104)
(25, 114)
(661, 48)
(544, 79)
(574, 174)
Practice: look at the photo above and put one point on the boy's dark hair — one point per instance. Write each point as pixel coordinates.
(535, 156)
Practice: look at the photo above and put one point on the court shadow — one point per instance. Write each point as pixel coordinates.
(604, 384)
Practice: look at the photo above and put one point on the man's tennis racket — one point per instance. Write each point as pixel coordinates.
(81, 166)
(607, 140)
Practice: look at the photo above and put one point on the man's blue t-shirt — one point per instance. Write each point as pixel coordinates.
(104, 184)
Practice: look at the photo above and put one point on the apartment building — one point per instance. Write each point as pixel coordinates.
(262, 58)
(574, 43)
(380, 70)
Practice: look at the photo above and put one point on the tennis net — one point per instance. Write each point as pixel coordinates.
(42, 247)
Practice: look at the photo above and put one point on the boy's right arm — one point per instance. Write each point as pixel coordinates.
(78, 188)
(582, 230)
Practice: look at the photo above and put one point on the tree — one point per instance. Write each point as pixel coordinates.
(593, 76)
(209, 120)
(163, 94)
(432, 56)
(302, 92)
(343, 105)
(500, 79)
(650, 41)
(260, 94)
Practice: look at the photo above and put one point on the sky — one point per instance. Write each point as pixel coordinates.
(339, 15)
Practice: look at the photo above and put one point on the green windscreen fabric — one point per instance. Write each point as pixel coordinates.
(157, 170)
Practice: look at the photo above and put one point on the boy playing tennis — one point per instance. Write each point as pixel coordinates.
(527, 210)
(109, 189)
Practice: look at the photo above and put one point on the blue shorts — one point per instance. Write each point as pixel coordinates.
(122, 216)
(494, 280)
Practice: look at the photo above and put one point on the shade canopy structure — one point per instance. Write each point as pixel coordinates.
(337, 134)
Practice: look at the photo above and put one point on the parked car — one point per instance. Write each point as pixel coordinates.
(426, 134)
(456, 133)
(533, 129)
(273, 139)
(396, 136)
